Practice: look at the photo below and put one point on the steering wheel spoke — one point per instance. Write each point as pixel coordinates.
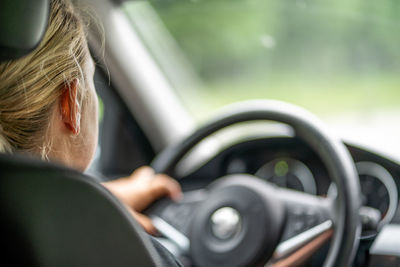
(172, 219)
(309, 225)
(304, 211)
(297, 249)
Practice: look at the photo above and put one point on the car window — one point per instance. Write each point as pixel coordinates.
(338, 59)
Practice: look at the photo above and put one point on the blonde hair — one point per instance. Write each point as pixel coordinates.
(30, 86)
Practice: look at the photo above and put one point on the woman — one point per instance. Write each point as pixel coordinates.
(48, 109)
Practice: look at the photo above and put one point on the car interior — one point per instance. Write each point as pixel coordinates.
(265, 182)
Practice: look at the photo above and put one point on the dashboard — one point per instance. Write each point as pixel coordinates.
(289, 162)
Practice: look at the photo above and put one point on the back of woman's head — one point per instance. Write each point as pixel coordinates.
(30, 86)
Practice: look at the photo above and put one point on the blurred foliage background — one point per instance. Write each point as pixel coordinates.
(328, 56)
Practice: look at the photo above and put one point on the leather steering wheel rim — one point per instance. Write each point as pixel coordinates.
(332, 152)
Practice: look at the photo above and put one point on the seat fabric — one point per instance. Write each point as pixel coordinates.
(54, 216)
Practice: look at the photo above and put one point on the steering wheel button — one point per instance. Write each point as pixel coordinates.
(298, 226)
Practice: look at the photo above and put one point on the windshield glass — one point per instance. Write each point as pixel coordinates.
(338, 59)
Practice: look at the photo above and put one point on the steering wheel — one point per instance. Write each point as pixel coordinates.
(241, 220)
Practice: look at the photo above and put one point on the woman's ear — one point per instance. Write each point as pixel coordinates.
(69, 107)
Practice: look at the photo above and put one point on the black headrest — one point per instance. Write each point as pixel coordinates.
(22, 26)
(53, 216)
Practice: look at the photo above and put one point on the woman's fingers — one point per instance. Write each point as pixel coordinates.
(163, 185)
(142, 188)
(144, 173)
(145, 222)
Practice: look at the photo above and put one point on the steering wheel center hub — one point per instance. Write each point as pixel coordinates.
(230, 226)
(225, 223)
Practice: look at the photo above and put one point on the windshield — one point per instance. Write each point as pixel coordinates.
(338, 59)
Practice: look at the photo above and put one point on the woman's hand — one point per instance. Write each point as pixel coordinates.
(142, 188)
